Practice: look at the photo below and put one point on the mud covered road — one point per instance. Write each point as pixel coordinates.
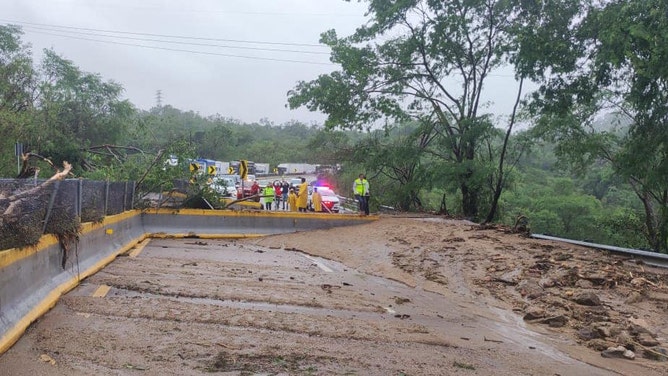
(401, 296)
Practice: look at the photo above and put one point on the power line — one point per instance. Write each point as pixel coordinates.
(210, 11)
(29, 28)
(164, 35)
(188, 51)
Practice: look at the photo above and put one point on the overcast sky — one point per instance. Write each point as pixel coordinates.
(237, 58)
(208, 82)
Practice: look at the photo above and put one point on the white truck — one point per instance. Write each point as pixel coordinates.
(262, 169)
(296, 168)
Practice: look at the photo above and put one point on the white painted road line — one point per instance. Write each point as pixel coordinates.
(320, 264)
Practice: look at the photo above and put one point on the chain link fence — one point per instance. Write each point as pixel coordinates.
(31, 208)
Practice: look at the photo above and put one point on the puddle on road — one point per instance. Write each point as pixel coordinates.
(513, 329)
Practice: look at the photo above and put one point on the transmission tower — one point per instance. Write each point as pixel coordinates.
(158, 98)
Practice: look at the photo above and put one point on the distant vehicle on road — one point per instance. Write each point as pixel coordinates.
(295, 182)
(225, 185)
(330, 201)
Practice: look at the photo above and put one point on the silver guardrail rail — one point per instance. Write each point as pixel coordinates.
(649, 258)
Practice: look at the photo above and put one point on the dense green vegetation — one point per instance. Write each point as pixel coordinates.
(590, 163)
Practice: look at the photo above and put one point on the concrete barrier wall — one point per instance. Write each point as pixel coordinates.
(32, 279)
(208, 223)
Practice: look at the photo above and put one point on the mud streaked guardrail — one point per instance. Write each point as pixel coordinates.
(649, 258)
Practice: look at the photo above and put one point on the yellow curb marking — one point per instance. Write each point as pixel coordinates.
(138, 248)
(101, 291)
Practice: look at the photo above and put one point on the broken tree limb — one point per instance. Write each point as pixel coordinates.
(155, 160)
(28, 171)
(14, 200)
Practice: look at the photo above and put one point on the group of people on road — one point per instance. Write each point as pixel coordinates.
(361, 192)
(296, 198)
(279, 195)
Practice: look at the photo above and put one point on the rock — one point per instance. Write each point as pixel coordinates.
(634, 297)
(555, 321)
(530, 289)
(598, 344)
(533, 313)
(607, 330)
(584, 284)
(628, 354)
(511, 277)
(590, 313)
(565, 277)
(638, 325)
(614, 352)
(625, 339)
(587, 333)
(646, 339)
(587, 298)
(562, 256)
(596, 278)
(546, 282)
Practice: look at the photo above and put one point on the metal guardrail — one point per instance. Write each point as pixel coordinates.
(649, 258)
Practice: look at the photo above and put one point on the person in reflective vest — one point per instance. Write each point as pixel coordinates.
(358, 191)
(268, 195)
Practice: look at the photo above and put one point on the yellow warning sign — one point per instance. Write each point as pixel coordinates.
(243, 169)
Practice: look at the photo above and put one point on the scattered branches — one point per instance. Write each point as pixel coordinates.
(11, 202)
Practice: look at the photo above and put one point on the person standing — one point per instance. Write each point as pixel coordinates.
(285, 187)
(317, 200)
(292, 200)
(367, 195)
(255, 191)
(302, 196)
(268, 195)
(358, 191)
(277, 194)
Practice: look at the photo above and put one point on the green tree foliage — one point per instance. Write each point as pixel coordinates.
(611, 59)
(18, 83)
(77, 110)
(426, 62)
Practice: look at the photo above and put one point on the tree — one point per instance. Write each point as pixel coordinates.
(78, 110)
(426, 62)
(18, 84)
(611, 58)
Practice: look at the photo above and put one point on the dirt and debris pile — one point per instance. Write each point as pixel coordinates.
(607, 302)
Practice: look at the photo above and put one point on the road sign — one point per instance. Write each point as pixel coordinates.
(243, 169)
(194, 167)
(211, 170)
(230, 170)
